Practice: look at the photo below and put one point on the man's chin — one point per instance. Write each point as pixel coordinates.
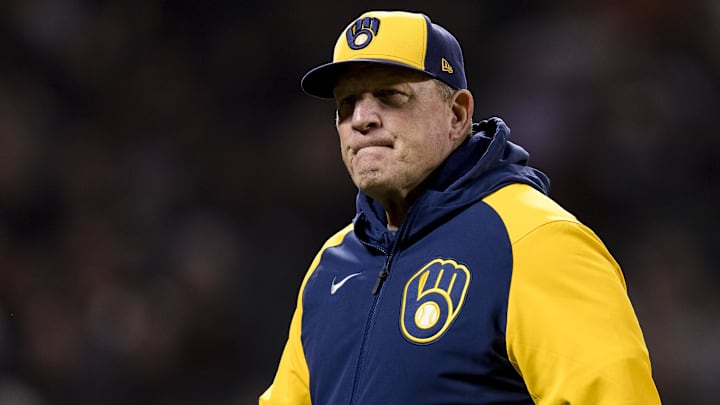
(372, 184)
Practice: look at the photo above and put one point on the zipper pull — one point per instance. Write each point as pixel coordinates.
(380, 280)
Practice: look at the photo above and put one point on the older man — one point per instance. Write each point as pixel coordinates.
(459, 280)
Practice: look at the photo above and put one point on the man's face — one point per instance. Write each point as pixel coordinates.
(394, 129)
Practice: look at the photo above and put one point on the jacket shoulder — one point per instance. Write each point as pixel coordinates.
(333, 241)
(524, 209)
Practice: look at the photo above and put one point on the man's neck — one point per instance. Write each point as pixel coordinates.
(395, 213)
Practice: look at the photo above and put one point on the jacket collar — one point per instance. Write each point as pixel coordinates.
(481, 165)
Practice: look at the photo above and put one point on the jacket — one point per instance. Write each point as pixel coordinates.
(488, 293)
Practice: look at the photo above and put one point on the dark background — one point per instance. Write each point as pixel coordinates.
(164, 183)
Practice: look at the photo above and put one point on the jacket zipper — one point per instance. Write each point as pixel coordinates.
(382, 276)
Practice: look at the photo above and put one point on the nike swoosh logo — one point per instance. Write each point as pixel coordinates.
(334, 287)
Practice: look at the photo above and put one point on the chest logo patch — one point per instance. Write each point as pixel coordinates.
(432, 299)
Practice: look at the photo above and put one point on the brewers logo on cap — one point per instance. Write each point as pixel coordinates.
(362, 32)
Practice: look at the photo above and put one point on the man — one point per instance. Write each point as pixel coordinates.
(459, 281)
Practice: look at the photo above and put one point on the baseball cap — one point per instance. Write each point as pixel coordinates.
(396, 38)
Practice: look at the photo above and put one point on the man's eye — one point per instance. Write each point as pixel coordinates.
(386, 93)
(345, 107)
(345, 101)
(391, 96)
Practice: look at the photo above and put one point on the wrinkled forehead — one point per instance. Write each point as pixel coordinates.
(360, 75)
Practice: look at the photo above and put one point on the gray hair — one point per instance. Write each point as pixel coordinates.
(446, 93)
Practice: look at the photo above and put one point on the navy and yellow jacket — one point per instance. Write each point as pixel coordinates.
(491, 294)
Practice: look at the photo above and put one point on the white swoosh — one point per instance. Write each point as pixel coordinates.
(334, 287)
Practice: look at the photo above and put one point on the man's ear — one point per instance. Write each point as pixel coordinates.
(462, 106)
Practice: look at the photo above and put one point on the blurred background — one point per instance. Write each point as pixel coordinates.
(164, 183)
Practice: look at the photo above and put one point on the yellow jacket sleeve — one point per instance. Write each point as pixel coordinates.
(292, 379)
(571, 330)
(290, 386)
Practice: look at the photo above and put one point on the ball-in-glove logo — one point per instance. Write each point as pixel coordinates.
(361, 32)
(432, 300)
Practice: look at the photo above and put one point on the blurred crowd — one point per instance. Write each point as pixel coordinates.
(164, 183)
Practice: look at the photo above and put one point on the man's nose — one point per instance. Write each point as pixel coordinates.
(366, 113)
